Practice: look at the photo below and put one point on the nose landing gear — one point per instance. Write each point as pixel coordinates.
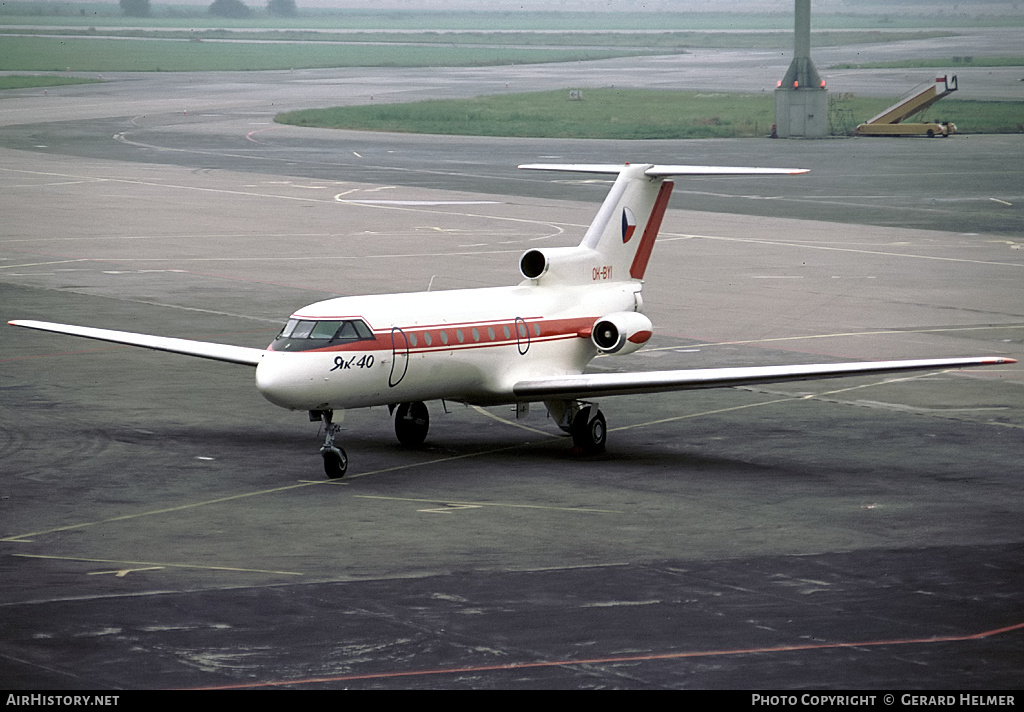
(335, 458)
(412, 421)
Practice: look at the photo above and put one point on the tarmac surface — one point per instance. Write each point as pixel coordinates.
(161, 526)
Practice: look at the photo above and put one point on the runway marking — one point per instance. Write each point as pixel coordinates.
(831, 248)
(305, 199)
(449, 508)
(630, 658)
(507, 505)
(122, 573)
(42, 264)
(155, 565)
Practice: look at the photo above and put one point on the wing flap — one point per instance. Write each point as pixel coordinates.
(202, 349)
(597, 385)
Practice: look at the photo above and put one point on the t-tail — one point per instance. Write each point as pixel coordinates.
(618, 244)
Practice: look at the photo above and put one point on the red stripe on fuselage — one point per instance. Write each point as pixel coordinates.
(551, 330)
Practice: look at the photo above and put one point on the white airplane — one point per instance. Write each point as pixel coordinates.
(502, 345)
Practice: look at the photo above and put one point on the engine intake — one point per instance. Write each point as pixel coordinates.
(621, 332)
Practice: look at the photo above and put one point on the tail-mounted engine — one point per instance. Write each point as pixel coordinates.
(621, 332)
(563, 265)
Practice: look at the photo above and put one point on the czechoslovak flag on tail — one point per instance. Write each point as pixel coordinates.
(628, 225)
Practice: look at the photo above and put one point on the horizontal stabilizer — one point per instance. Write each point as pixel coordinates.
(201, 349)
(610, 384)
(667, 171)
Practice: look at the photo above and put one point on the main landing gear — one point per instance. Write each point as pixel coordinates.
(589, 430)
(412, 421)
(583, 421)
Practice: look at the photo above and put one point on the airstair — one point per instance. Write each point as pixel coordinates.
(891, 121)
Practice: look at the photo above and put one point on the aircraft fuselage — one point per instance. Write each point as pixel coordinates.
(464, 345)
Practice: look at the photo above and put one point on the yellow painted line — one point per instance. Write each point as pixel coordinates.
(492, 504)
(436, 461)
(159, 565)
(699, 415)
(513, 423)
(125, 517)
(811, 396)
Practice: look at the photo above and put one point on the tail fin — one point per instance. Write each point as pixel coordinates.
(619, 242)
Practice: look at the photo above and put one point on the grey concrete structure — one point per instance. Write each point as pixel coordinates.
(801, 99)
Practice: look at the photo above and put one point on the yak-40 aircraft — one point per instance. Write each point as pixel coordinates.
(503, 345)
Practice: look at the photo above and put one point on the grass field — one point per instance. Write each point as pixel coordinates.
(39, 54)
(28, 81)
(108, 14)
(940, 62)
(186, 50)
(627, 114)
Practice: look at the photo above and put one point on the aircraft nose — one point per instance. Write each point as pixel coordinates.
(281, 382)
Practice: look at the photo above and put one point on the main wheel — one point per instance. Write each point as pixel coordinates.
(412, 420)
(589, 433)
(335, 462)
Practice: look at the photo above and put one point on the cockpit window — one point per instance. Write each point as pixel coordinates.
(303, 334)
(324, 330)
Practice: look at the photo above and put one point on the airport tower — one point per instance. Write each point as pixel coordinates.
(801, 102)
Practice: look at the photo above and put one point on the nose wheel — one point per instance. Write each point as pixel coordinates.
(335, 458)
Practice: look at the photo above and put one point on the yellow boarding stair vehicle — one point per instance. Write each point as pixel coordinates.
(890, 121)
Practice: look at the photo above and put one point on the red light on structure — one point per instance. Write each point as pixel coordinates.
(796, 84)
(778, 84)
(822, 83)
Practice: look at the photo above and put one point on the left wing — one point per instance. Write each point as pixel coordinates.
(595, 385)
(202, 349)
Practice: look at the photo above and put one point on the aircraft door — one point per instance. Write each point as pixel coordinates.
(399, 356)
(522, 335)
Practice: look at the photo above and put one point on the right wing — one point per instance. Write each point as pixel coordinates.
(595, 385)
(203, 349)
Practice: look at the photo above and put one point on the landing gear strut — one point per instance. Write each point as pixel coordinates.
(412, 420)
(335, 459)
